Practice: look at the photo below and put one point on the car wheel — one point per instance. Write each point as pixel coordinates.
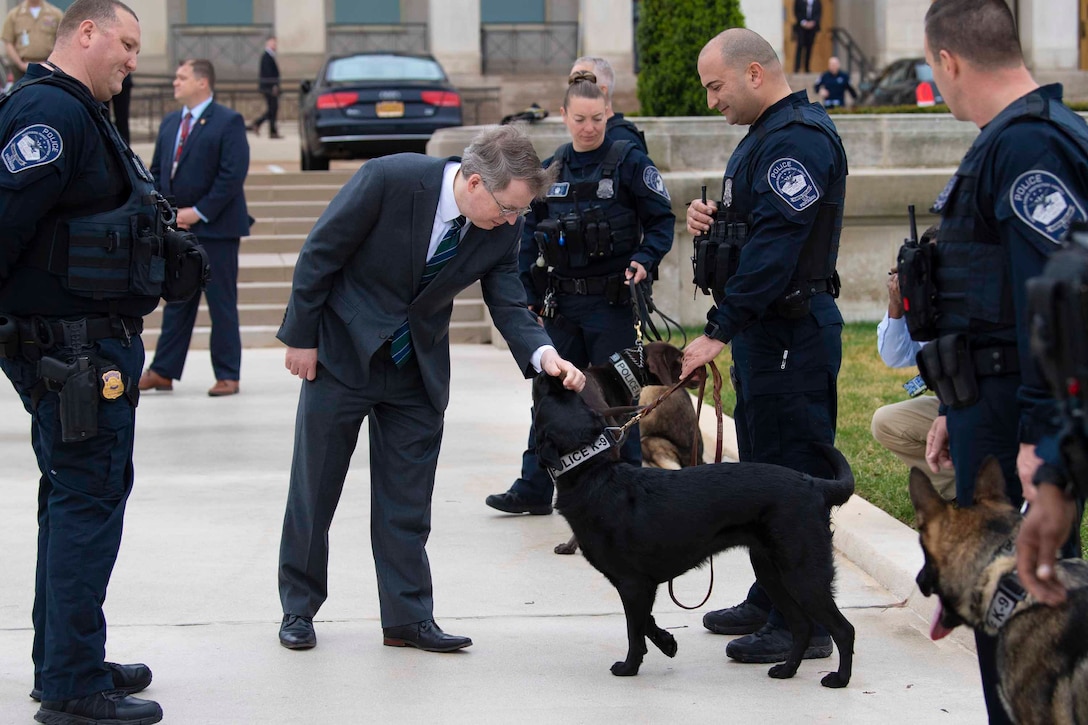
(311, 162)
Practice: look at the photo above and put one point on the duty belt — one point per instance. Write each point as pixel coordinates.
(582, 285)
(47, 334)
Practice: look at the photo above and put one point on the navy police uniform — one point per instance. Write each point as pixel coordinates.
(618, 128)
(786, 181)
(1020, 187)
(62, 300)
(586, 305)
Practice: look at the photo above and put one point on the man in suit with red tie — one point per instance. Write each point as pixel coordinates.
(807, 23)
(201, 161)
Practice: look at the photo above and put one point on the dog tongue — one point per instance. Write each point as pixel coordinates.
(936, 629)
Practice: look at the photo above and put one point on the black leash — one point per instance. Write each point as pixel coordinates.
(643, 309)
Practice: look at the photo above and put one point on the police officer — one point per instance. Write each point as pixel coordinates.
(616, 127)
(1019, 188)
(30, 29)
(607, 221)
(782, 202)
(74, 205)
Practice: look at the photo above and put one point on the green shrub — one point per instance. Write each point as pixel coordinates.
(670, 35)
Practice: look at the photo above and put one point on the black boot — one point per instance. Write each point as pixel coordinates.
(111, 706)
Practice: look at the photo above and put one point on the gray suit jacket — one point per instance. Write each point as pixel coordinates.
(357, 275)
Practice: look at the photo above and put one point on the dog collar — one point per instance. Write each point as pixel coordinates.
(1007, 597)
(609, 439)
(626, 373)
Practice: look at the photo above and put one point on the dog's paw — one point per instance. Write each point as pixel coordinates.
(665, 642)
(782, 671)
(624, 669)
(566, 548)
(834, 680)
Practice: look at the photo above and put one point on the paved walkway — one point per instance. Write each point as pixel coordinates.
(194, 591)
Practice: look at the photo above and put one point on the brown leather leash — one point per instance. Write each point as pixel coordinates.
(694, 461)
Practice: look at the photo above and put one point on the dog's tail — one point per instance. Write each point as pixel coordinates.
(836, 490)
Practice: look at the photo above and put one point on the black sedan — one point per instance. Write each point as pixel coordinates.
(371, 104)
(906, 82)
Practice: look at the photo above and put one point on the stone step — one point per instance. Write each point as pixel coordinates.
(265, 335)
(292, 208)
(264, 293)
(304, 192)
(336, 177)
(273, 243)
(282, 225)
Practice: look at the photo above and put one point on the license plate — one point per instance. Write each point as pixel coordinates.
(389, 109)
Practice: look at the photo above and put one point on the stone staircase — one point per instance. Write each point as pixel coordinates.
(286, 207)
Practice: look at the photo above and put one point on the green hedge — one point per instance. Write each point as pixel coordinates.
(670, 35)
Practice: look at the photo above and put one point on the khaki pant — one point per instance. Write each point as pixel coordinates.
(902, 428)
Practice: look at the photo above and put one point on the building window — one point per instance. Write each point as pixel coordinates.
(219, 12)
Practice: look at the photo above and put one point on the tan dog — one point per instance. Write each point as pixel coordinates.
(669, 430)
(970, 564)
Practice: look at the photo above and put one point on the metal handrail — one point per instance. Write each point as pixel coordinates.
(851, 55)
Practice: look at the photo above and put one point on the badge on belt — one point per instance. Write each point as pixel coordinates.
(113, 386)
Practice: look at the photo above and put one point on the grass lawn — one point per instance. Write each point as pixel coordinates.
(865, 384)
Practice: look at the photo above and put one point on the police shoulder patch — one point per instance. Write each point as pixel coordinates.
(35, 145)
(559, 189)
(654, 182)
(1044, 203)
(790, 180)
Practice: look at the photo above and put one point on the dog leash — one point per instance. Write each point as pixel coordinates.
(694, 461)
(642, 309)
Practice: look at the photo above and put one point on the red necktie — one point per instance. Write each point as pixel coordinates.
(185, 122)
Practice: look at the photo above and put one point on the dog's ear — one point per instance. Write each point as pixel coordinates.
(990, 482)
(928, 504)
(546, 451)
(664, 362)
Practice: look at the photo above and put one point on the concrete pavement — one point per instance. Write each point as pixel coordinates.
(194, 591)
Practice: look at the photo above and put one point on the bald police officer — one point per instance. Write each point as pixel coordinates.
(783, 195)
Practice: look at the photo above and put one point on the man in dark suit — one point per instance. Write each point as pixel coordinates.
(368, 332)
(201, 161)
(806, 15)
(269, 85)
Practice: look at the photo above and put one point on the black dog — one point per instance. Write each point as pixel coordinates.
(643, 526)
(618, 382)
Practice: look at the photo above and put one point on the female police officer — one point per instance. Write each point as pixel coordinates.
(606, 221)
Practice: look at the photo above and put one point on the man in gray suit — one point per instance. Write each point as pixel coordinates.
(367, 329)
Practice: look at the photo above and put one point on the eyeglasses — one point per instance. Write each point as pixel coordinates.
(507, 211)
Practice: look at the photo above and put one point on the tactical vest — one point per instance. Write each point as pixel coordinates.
(589, 220)
(973, 283)
(815, 270)
(113, 254)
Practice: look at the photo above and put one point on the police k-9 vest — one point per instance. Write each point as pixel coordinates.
(125, 252)
(973, 282)
(815, 271)
(593, 219)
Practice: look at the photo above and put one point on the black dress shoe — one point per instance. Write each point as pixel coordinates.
(128, 679)
(424, 635)
(297, 632)
(112, 706)
(512, 502)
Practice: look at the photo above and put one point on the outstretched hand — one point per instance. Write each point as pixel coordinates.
(573, 378)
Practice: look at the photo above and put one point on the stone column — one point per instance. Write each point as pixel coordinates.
(154, 36)
(453, 30)
(300, 33)
(607, 31)
(1048, 34)
(765, 18)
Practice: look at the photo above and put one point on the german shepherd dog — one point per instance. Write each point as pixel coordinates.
(1042, 652)
(615, 384)
(644, 526)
